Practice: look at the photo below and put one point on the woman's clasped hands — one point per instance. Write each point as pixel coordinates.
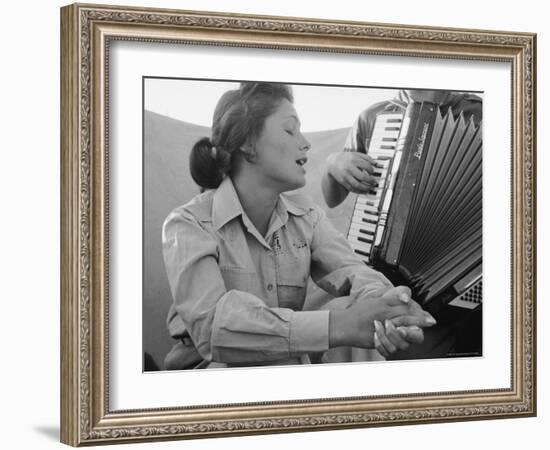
(388, 322)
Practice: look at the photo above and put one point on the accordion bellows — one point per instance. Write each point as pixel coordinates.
(422, 226)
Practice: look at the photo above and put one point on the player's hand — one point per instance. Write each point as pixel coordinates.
(355, 326)
(400, 332)
(389, 339)
(353, 171)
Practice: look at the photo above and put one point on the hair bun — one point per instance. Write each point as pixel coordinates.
(203, 164)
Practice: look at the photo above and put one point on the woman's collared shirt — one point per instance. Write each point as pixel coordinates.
(240, 295)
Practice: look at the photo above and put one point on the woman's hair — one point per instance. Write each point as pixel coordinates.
(239, 115)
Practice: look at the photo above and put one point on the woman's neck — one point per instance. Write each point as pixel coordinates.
(257, 199)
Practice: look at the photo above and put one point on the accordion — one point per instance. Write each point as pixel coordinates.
(422, 225)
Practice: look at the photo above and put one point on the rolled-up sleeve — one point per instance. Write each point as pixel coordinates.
(335, 267)
(230, 326)
(359, 133)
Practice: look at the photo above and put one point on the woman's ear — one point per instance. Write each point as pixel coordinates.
(249, 152)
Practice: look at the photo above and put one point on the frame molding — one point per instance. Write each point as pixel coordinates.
(86, 31)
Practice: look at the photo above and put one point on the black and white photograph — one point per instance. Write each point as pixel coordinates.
(290, 223)
(292, 220)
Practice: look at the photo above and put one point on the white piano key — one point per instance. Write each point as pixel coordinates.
(364, 200)
(391, 116)
(366, 207)
(358, 224)
(383, 161)
(362, 212)
(363, 219)
(385, 130)
(369, 227)
(366, 204)
(362, 208)
(372, 202)
(382, 141)
(378, 153)
(384, 122)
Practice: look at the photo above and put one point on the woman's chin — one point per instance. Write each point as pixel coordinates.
(299, 183)
(291, 183)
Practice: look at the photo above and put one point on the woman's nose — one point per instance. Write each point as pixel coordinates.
(305, 144)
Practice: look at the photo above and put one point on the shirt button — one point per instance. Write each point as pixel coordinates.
(269, 287)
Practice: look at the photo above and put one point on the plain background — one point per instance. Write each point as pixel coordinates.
(29, 231)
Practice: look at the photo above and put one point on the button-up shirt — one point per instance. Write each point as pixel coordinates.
(239, 295)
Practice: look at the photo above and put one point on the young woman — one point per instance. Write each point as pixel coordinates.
(239, 255)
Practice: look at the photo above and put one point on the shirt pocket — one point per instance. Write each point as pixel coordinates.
(239, 279)
(292, 284)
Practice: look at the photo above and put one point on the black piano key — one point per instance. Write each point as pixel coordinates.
(362, 239)
(371, 233)
(370, 203)
(369, 220)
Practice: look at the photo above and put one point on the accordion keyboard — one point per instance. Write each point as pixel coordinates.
(370, 210)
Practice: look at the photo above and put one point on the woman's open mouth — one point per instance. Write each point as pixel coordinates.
(301, 161)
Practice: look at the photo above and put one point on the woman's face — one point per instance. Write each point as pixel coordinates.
(281, 150)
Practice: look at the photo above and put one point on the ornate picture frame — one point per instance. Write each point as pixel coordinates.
(87, 32)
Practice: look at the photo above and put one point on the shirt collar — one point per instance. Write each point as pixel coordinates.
(289, 204)
(226, 205)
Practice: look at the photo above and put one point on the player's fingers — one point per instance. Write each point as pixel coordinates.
(398, 295)
(403, 320)
(415, 335)
(388, 346)
(356, 186)
(378, 346)
(366, 160)
(396, 335)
